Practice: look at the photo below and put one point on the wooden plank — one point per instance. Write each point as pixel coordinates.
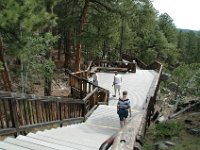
(126, 137)
(113, 69)
(22, 128)
(90, 94)
(7, 131)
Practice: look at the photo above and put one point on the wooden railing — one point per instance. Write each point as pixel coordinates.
(132, 135)
(130, 66)
(23, 113)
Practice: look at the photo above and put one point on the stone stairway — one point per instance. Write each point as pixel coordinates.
(101, 125)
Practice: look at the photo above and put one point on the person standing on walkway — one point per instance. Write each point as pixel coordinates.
(123, 108)
(117, 83)
(93, 78)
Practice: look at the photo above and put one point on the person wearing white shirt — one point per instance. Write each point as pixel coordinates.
(117, 83)
(93, 78)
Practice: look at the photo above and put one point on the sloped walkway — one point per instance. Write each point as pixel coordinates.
(100, 125)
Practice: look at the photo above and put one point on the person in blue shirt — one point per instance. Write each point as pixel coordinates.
(123, 108)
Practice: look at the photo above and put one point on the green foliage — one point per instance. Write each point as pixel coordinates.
(148, 146)
(171, 54)
(167, 26)
(150, 56)
(167, 130)
(35, 51)
(184, 73)
(180, 74)
(189, 44)
(110, 27)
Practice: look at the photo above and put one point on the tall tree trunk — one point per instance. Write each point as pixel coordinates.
(68, 39)
(67, 42)
(78, 46)
(104, 50)
(65, 48)
(5, 72)
(59, 48)
(121, 37)
(48, 80)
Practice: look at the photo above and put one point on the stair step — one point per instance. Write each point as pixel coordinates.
(60, 142)
(25, 144)
(8, 146)
(78, 138)
(47, 144)
(86, 129)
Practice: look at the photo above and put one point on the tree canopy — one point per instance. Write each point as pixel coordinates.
(39, 33)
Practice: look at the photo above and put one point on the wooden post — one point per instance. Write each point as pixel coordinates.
(58, 106)
(81, 89)
(84, 112)
(14, 116)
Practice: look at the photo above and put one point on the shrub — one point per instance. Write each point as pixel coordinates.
(167, 130)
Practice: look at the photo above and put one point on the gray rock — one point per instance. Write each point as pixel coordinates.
(194, 131)
(165, 76)
(172, 86)
(169, 143)
(160, 145)
(161, 119)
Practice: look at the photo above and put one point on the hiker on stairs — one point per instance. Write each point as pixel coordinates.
(123, 108)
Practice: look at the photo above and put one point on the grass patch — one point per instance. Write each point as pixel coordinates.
(167, 130)
(173, 131)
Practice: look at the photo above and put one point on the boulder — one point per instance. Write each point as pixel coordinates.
(161, 146)
(194, 131)
(172, 86)
(165, 76)
(160, 119)
(169, 143)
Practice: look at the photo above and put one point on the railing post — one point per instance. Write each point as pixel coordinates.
(81, 90)
(84, 112)
(14, 115)
(59, 115)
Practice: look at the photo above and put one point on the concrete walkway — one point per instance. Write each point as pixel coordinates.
(137, 84)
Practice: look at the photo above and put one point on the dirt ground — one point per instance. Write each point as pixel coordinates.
(60, 86)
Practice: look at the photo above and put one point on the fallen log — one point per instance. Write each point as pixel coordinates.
(182, 111)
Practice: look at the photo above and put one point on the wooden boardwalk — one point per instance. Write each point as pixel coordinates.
(137, 84)
(102, 124)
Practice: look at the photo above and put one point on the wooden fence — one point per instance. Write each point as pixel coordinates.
(23, 113)
(114, 65)
(81, 87)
